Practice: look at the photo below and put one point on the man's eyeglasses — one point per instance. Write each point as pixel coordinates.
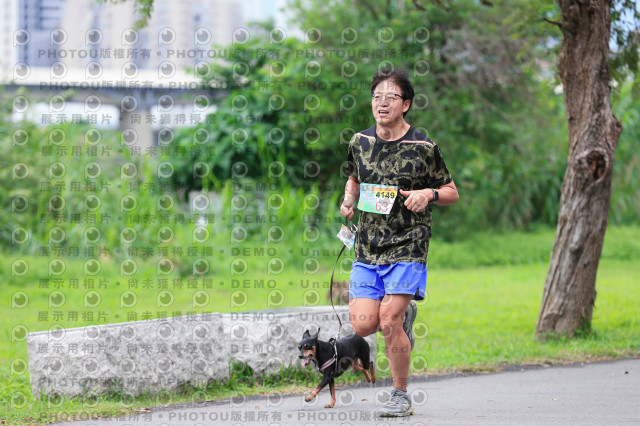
(387, 97)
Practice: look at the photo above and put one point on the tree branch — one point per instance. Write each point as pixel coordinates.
(558, 24)
(371, 9)
(418, 5)
(440, 4)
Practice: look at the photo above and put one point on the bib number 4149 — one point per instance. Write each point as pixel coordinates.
(376, 198)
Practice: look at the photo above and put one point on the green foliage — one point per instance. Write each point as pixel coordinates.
(55, 203)
(484, 81)
(294, 104)
(276, 125)
(241, 373)
(625, 38)
(293, 375)
(625, 200)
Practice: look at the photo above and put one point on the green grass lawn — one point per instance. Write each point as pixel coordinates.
(484, 318)
(483, 300)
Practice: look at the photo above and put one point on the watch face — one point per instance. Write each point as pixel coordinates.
(436, 196)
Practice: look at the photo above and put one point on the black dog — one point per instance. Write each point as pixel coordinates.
(352, 351)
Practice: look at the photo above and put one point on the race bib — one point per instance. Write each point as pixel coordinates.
(377, 198)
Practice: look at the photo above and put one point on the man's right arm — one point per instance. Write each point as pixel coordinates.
(351, 193)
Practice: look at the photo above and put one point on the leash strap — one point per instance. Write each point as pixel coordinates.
(331, 291)
(353, 229)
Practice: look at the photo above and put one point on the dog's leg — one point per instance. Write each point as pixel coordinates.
(373, 373)
(313, 394)
(321, 386)
(332, 388)
(357, 366)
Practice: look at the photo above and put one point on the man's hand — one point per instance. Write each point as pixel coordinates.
(346, 209)
(351, 192)
(416, 200)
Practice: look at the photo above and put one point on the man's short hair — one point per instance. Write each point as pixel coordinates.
(399, 77)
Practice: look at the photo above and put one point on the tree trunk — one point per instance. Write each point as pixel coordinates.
(570, 288)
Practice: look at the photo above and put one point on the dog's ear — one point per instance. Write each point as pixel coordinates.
(316, 335)
(306, 334)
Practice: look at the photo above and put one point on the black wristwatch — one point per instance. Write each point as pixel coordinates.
(436, 197)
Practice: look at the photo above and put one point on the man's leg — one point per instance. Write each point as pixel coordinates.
(398, 347)
(407, 322)
(364, 316)
(365, 291)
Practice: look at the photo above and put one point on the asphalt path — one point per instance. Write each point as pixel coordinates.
(601, 393)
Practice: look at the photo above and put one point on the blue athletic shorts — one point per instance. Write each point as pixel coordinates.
(374, 281)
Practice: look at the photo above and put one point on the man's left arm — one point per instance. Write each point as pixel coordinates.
(447, 194)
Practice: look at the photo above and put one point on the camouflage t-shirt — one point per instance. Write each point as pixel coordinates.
(411, 162)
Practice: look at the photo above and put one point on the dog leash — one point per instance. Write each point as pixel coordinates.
(353, 228)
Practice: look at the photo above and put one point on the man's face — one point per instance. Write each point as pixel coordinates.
(387, 104)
